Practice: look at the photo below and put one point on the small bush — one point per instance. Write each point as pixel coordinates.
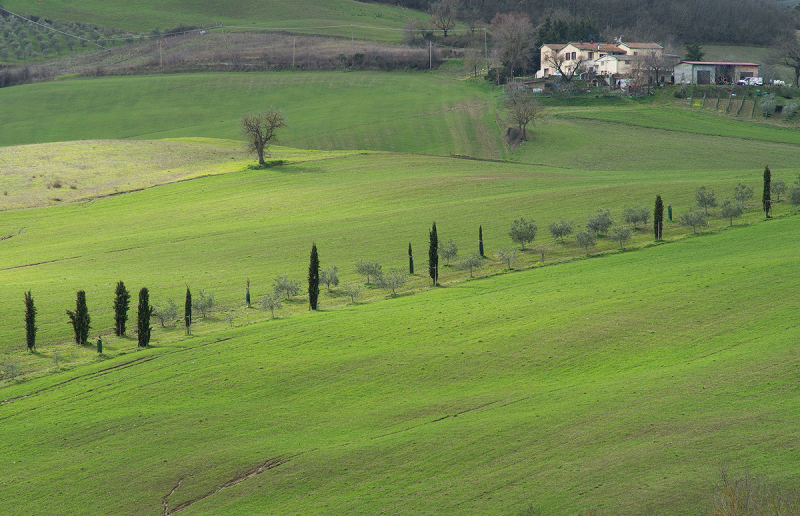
(768, 105)
(790, 109)
(56, 184)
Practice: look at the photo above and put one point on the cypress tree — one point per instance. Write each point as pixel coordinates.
(410, 260)
(658, 218)
(30, 322)
(122, 299)
(143, 318)
(80, 319)
(247, 294)
(766, 198)
(480, 240)
(433, 256)
(187, 311)
(313, 279)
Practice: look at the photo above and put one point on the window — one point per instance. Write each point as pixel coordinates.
(636, 53)
(591, 55)
(574, 56)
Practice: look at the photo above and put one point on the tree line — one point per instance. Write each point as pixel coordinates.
(522, 232)
(756, 22)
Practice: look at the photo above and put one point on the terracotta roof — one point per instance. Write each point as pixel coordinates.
(554, 46)
(719, 63)
(597, 47)
(653, 46)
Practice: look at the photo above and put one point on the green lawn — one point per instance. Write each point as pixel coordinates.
(620, 383)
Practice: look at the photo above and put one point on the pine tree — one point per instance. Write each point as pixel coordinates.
(187, 311)
(143, 318)
(410, 260)
(433, 256)
(658, 218)
(766, 198)
(313, 279)
(480, 241)
(30, 322)
(122, 300)
(80, 319)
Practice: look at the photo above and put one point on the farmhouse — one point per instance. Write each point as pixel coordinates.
(619, 60)
(713, 72)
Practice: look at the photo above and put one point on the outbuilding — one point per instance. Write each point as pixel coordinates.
(713, 72)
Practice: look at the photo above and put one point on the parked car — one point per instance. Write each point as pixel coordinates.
(751, 81)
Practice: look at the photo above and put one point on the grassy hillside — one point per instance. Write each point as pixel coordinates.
(330, 111)
(621, 383)
(145, 15)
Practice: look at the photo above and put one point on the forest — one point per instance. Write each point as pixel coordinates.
(753, 22)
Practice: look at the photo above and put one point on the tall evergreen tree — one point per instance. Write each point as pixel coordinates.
(766, 198)
(410, 260)
(247, 294)
(80, 319)
(433, 256)
(30, 322)
(480, 241)
(143, 318)
(122, 300)
(658, 218)
(187, 311)
(313, 278)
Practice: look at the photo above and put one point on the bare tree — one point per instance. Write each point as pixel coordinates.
(566, 67)
(261, 129)
(522, 108)
(472, 58)
(513, 37)
(787, 53)
(443, 15)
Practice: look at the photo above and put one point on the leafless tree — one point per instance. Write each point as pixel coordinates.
(513, 37)
(472, 58)
(443, 14)
(567, 68)
(787, 53)
(522, 109)
(261, 129)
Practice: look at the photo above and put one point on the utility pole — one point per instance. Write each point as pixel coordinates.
(485, 51)
(430, 55)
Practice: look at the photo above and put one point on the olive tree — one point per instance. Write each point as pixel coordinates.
(330, 276)
(742, 193)
(694, 219)
(507, 254)
(600, 222)
(621, 234)
(540, 249)
(353, 291)
(271, 302)
(705, 198)
(523, 231)
(730, 210)
(282, 285)
(166, 313)
(561, 228)
(393, 280)
(586, 239)
(369, 269)
(778, 188)
(448, 251)
(636, 215)
(203, 303)
(473, 261)
(261, 129)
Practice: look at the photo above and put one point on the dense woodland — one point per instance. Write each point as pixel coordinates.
(756, 22)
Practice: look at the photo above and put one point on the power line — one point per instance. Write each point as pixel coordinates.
(55, 30)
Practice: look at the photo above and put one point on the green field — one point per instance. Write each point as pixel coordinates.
(619, 381)
(329, 111)
(276, 14)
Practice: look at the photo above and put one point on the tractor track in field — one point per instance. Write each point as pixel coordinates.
(105, 371)
(267, 465)
(388, 120)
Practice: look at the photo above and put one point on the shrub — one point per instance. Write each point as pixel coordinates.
(790, 109)
(768, 105)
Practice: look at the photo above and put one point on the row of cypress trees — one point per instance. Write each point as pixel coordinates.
(81, 320)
